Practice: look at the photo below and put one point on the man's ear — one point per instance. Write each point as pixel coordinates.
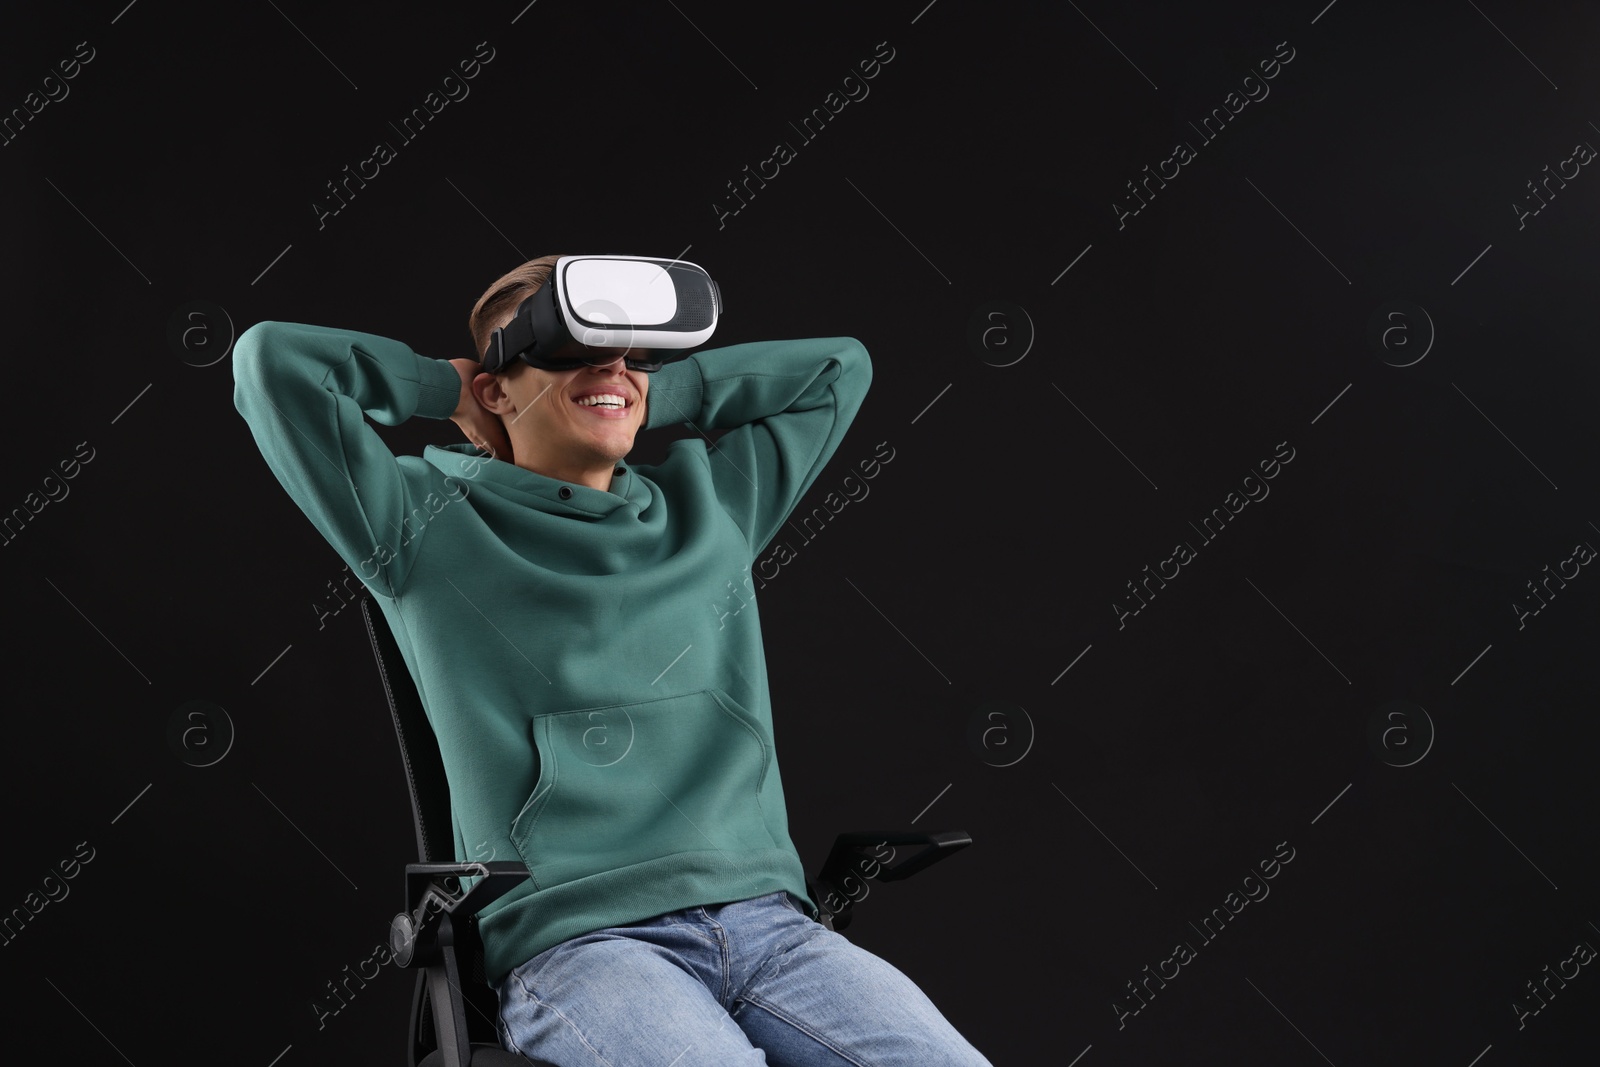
(491, 395)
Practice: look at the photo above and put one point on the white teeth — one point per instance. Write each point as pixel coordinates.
(605, 400)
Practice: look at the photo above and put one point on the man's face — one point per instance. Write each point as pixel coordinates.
(579, 417)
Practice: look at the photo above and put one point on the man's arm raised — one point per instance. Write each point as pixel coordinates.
(786, 406)
(306, 392)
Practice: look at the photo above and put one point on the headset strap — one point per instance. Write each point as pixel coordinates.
(536, 318)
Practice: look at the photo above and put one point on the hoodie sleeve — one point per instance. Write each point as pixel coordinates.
(786, 406)
(304, 390)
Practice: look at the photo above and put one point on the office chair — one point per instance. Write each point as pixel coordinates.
(453, 1007)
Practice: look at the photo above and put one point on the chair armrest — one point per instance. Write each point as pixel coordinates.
(858, 856)
(439, 914)
(414, 934)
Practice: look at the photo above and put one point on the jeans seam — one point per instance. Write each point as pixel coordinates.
(551, 1007)
(727, 968)
(757, 1002)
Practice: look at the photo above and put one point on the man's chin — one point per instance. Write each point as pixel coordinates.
(613, 447)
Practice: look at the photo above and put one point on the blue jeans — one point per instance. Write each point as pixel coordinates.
(752, 982)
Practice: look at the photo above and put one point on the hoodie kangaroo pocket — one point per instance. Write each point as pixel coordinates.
(628, 783)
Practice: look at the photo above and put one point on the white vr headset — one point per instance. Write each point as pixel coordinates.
(633, 303)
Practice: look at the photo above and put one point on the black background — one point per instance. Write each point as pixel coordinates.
(1231, 314)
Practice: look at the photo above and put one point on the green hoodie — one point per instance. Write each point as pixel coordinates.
(602, 713)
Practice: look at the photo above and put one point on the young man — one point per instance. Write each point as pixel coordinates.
(587, 648)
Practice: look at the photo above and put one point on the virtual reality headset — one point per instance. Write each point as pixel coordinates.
(593, 306)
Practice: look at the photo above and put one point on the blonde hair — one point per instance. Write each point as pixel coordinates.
(499, 302)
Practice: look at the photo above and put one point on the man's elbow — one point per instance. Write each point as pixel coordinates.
(854, 362)
(253, 361)
(251, 347)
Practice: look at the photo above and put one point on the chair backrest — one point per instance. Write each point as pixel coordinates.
(419, 750)
(430, 810)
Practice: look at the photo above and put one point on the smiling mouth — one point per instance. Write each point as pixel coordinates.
(606, 405)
